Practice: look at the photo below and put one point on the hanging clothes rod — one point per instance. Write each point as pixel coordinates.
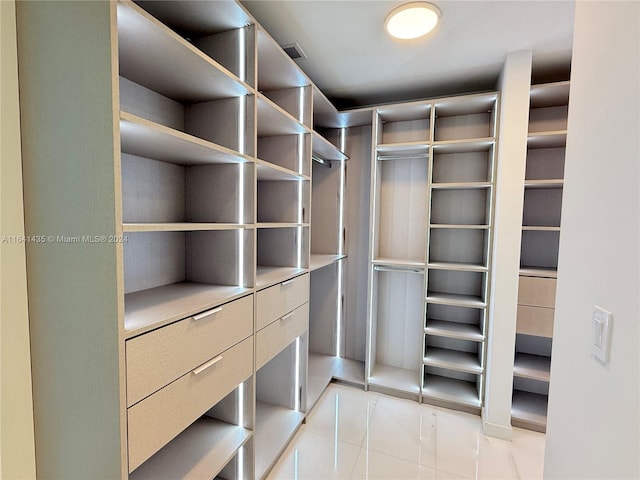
(403, 157)
(321, 161)
(381, 268)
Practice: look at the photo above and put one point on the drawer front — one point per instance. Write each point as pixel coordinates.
(537, 292)
(157, 419)
(274, 302)
(157, 358)
(272, 339)
(535, 321)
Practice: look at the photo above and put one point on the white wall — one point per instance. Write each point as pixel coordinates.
(593, 421)
(514, 84)
(16, 410)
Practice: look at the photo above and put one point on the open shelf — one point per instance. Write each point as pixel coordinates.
(201, 451)
(350, 371)
(462, 331)
(465, 145)
(144, 45)
(267, 276)
(455, 299)
(321, 369)
(274, 429)
(276, 70)
(552, 139)
(538, 228)
(145, 138)
(459, 226)
(552, 94)
(400, 379)
(266, 171)
(551, 183)
(390, 151)
(326, 150)
(546, 272)
(536, 367)
(464, 267)
(461, 185)
(529, 410)
(148, 309)
(319, 260)
(274, 120)
(453, 359)
(181, 227)
(451, 390)
(398, 263)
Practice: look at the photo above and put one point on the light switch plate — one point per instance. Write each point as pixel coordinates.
(601, 329)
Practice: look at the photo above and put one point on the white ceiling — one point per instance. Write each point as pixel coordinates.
(354, 62)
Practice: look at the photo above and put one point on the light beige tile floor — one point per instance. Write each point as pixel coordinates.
(353, 434)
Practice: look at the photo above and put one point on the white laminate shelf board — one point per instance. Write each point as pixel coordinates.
(451, 390)
(398, 263)
(407, 149)
(276, 70)
(267, 276)
(455, 299)
(274, 428)
(144, 45)
(320, 260)
(462, 186)
(462, 331)
(267, 171)
(453, 360)
(144, 138)
(401, 112)
(395, 378)
(540, 228)
(280, 225)
(182, 227)
(550, 183)
(350, 371)
(149, 309)
(529, 408)
(273, 120)
(554, 139)
(465, 105)
(458, 266)
(545, 272)
(326, 150)
(459, 226)
(201, 451)
(464, 146)
(549, 94)
(535, 367)
(320, 371)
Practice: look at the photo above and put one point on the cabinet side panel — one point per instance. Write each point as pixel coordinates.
(69, 142)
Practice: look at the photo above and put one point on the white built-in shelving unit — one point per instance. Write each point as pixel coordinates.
(539, 252)
(431, 218)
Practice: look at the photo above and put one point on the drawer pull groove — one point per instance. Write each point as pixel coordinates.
(206, 314)
(288, 282)
(209, 364)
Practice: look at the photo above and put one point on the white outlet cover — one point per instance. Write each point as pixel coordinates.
(601, 328)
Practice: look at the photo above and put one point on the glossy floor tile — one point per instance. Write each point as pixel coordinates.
(352, 434)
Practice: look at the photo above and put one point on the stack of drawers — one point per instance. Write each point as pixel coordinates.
(176, 373)
(536, 301)
(282, 314)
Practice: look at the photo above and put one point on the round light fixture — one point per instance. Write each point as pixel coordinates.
(412, 20)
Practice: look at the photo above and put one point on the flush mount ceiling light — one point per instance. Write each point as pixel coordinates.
(412, 20)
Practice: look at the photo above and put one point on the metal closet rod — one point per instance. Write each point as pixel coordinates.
(321, 161)
(380, 268)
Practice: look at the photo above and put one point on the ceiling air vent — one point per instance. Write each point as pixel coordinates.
(294, 51)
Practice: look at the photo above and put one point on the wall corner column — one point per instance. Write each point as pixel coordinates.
(514, 85)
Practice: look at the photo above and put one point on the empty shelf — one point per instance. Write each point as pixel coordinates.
(536, 367)
(530, 271)
(529, 410)
(148, 139)
(465, 267)
(350, 371)
(459, 226)
(144, 45)
(540, 228)
(152, 308)
(275, 426)
(550, 183)
(201, 451)
(267, 171)
(464, 146)
(398, 263)
(181, 227)
(326, 150)
(395, 378)
(549, 94)
(463, 331)
(267, 276)
(461, 185)
(453, 360)
(455, 299)
(403, 150)
(273, 120)
(451, 390)
(553, 139)
(320, 371)
(319, 260)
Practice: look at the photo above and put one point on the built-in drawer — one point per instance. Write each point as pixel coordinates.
(537, 291)
(157, 419)
(536, 321)
(157, 358)
(274, 302)
(273, 338)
